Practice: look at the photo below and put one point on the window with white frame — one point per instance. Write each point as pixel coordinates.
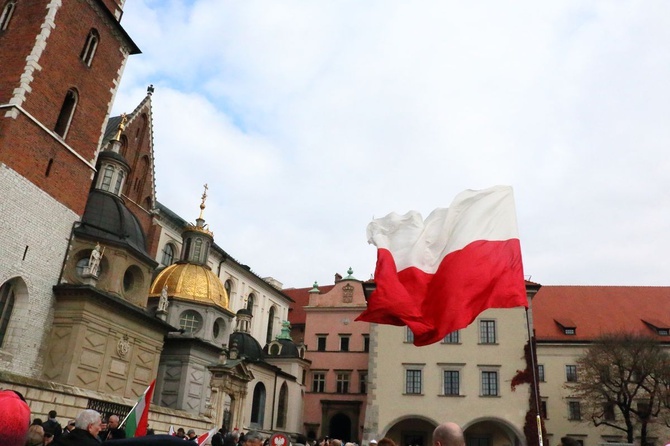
(321, 342)
(487, 331)
(90, 46)
(489, 383)
(66, 112)
(452, 338)
(318, 382)
(574, 411)
(168, 254)
(409, 335)
(451, 383)
(342, 383)
(540, 372)
(571, 373)
(413, 380)
(6, 14)
(344, 342)
(363, 382)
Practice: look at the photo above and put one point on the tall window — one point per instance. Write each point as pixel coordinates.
(540, 372)
(574, 411)
(321, 343)
(543, 409)
(119, 183)
(608, 412)
(344, 343)
(487, 332)
(363, 381)
(366, 343)
(250, 303)
(90, 46)
(318, 382)
(6, 15)
(282, 406)
(343, 382)
(107, 178)
(489, 383)
(452, 338)
(66, 112)
(413, 380)
(228, 286)
(7, 297)
(258, 405)
(452, 382)
(571, 373)
(168, 254)
(271, 321)
(409, 336)
(197, 250)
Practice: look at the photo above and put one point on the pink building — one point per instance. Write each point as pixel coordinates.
(338, 348)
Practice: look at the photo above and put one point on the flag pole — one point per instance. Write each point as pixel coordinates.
(128, 414)
(536, 387)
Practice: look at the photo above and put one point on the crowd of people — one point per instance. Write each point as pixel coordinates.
(89, 429)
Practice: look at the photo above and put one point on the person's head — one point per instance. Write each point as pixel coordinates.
(448, 434)
(52, 414)
(35, 435)
(569, 441)
(113, 422)
(191, 433)
(373, 442)
(48, 436)
(335, 442)
(37, 422)
(253, 438)
(181, 433)
(70, 425)
(386, 442)
(90, 421)
(14, 418)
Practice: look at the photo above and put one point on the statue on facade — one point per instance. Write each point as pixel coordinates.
(163, 300)
(93, 267)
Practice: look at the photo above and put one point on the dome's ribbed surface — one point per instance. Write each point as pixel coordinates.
(191, 282)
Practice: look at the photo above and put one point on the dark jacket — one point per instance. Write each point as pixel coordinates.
(149, 440)
(53, 427)
(78, 437)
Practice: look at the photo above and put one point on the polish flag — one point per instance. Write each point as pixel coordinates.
(206, 436)
(436, 276)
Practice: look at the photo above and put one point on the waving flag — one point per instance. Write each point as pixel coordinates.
(438, 275)
(206, 436)
(137, 420)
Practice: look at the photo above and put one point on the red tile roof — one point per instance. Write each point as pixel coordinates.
(296, 314)
(596, 310)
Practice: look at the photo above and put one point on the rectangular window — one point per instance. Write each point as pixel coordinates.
(571, 373)
(344, 343)
(452, 338)
(363, 381)
(409, 336)
(543, 409)
(343, 382)
(574, 411)
(413, 381)
(540, 372)
(487, 332)
(366, 343)
(451, 382)
(489, 383)
(320, 343)
(608, 412)
(318, 382)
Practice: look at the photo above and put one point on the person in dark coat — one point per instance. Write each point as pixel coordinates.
(52, 425)
(87, 426)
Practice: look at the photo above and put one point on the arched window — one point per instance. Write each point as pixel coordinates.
(258, 405)
(6, 15)
(250, 303)
(90, 46)
(66, 113)
(119, 182)
(271, 319)
(168, 254)
(107, 175)
(197, 250)
(7, 296)
(228, 286)
(282, 406)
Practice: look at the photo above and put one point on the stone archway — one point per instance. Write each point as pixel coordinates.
(492, 432)
(412, 432)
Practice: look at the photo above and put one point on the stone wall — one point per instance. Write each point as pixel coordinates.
(68, 401)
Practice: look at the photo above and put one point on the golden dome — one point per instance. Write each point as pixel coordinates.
(191, 282)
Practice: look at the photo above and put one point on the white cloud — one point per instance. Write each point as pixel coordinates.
(308, 119)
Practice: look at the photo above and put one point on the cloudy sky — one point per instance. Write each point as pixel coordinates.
(309, 118)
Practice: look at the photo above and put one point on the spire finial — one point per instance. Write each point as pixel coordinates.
(150, 89)
(202, 204)
(121, 127)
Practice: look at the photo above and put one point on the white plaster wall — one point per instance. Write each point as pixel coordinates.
(30, 218)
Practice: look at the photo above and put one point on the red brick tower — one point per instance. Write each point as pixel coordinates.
(61, 66)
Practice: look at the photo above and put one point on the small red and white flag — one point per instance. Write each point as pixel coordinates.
(171, 430)
(206, 436)
(436, 276)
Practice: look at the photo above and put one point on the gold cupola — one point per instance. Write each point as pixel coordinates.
(191, 279)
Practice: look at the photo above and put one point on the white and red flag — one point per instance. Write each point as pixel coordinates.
(206, 436)
(436, 276)
(137, 420)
